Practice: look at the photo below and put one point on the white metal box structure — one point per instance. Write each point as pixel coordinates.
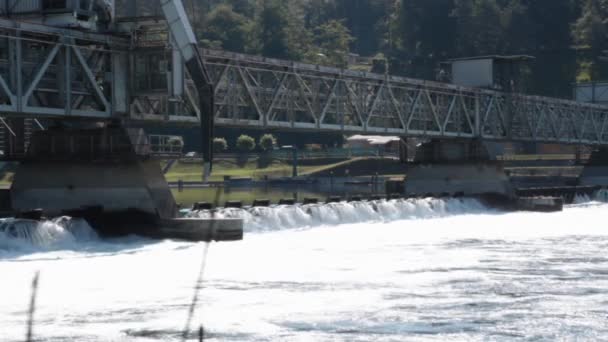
(473, 72)
(494, 72)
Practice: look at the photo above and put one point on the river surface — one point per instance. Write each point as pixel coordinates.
(426, 270)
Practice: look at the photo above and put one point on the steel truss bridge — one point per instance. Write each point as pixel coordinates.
(136, 74)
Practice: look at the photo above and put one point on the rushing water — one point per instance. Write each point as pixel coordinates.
(426, 270)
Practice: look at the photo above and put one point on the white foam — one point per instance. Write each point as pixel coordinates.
(332, 214)
(62, 231)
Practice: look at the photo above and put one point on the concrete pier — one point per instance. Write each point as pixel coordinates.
(595, 173)
(62, 186)
(106, 176)
(448, 168)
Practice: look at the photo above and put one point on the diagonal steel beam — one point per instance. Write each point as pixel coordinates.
(251, 94)
(352, 97)
(219, 80)
(97, 65)
(8, 128)
(603, 129)
(278, 92)
(7, 91)
(413, 109)
(552, 121)
(377, 96)
(395, 104)
(449, 114)
(467, 113)
(40, 72)
(583, 130)
(91, 78)
(500, 115)
(594, 125)
(303, 93)
(433, 109)
(541, 118)
(330, 98)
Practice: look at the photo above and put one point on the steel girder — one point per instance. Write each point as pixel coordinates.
(49, 73)
(272, 94)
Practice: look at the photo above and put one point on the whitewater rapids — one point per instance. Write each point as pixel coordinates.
(278, 218)
(423, 270)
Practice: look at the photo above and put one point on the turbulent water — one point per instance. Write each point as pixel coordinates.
(425, 270)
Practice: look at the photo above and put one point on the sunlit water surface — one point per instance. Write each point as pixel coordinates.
(419, 271)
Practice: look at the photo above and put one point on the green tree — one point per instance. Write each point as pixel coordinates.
(420, 35)
(220, 145)
(176, 141)
(333, 41)
(243, 7)
(228, 29)
(590, 32)
(245, 143)
(480, 27)
(267, 142)
(365, 20)
(550, 41)
(272, 25)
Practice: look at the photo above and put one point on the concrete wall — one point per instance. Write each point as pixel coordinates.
(449, 151)
(59, 186)
(98, 166)
(466, 179)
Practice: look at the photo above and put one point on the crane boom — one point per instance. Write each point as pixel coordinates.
(185, 40)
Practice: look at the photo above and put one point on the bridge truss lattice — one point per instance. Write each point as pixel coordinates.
(58, 73)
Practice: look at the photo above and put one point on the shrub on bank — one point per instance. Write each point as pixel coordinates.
(220, 145)
(244, 144)
(267, 142)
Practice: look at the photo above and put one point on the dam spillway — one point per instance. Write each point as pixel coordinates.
(464, 273)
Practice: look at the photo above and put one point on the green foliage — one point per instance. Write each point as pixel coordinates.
(220, 145)
(272, 24)
(227, 29)
(333, 42)
(267, 142)
(245, 143)
(176, 141)
(415, 35)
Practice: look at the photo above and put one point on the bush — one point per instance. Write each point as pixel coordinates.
(176, 141)
(220, 145)
(267, 142)
(245, 143)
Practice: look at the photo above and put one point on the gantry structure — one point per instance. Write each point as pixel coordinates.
(79, 60)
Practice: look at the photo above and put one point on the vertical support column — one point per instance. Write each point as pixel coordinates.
(120, 82)
(477, 132)
(16, 67)
(176, 79)
(64, 79)
(403, 151)
(295, 161)
(68, 81)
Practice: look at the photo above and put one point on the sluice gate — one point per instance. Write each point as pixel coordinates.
(82, 64)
